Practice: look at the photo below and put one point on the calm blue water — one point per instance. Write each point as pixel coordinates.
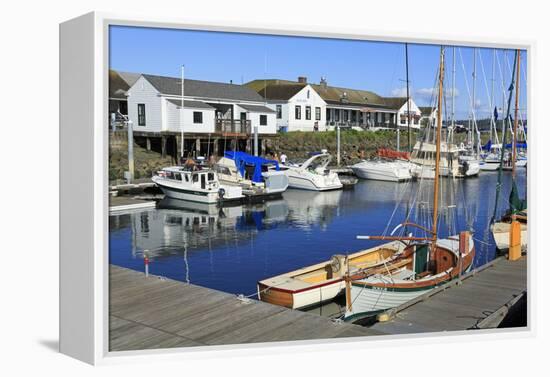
(230, 249)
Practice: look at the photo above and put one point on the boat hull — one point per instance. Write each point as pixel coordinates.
(189, 195)
(501, 235)
(301, 299)
(308, 183)
(378, 172)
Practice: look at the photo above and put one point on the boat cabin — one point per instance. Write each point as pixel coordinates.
(204, 179)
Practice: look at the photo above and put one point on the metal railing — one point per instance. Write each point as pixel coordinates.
(235, 126)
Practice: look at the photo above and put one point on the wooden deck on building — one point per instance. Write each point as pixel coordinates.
(148, 313)
(481, 300)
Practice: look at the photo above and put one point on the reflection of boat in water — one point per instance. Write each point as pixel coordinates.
(306, 207)
(251, 173)
(195, 185)
(320, 282)
(313, 174)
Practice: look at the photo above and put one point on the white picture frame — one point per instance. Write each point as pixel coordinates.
(84, 46)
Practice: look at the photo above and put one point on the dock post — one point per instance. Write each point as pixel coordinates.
(146, 263)
(338, 145)
(163, 146)
(514, 251)
(130, 151)
(255, 140)
(348, 293)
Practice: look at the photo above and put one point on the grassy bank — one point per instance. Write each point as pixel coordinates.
(145, 162)
(354, 145)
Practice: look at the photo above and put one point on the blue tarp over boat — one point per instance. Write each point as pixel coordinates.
(242, 160)
(518, 145)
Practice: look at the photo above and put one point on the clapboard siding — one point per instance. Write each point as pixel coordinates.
(143, 92)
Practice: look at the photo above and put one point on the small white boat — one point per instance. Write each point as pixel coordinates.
(251, 172)
(312, 285)
(469, 165)
(195, 185)
(313, 174)
(383, 170)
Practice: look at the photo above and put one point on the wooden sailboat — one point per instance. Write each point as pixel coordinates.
(518, 207)
(313, 285)
(425, 262)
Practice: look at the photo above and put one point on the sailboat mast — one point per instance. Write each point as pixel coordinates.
(182, 108)
(503, 148)
(453, 98)
(408, 98)
(438, 147)
(518, 57)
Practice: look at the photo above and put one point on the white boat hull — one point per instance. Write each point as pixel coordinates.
(307, 181)
(382, 171)
(501, 235)
(488, 166)
(316, 296)
(367, 300)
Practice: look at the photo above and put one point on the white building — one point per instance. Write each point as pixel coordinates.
(154, 105)
(297, 107)
(400, 106)
(343, 107)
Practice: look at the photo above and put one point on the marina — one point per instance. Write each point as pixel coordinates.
(289, 210)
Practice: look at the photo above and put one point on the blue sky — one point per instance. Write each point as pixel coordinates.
(375, 66)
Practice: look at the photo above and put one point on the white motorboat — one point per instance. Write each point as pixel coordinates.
(251, 172)
(195, 185)
(383, 170)
(469, 165)
(313, 174)
(423, 160)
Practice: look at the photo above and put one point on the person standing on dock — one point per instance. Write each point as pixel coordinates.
(283, 158)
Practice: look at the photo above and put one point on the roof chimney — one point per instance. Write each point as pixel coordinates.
(323, 82)
(302, 79)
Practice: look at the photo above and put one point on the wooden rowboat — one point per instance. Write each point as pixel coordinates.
(323, 281)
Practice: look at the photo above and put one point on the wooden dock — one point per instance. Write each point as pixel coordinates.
(482, 299)
(152, 312)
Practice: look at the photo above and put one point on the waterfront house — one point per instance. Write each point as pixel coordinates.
(400, 106)
(298, 107)
(119, 83)
(343, 107)
(215, 116)
(429, 115)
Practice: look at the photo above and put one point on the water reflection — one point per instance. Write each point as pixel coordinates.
(230, 249)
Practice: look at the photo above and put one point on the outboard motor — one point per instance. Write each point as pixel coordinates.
(339, 265)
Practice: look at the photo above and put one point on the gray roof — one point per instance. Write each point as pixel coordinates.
(203, 89)
(257, 108)
(190, 104)
(129, 77)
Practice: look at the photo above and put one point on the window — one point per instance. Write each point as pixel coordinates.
(328, 115)
(197, 117)
(141, 114)
(263, 120)
(177, 176)
(298, 112)
(195, 177)
(308, 94)
(308, 112)
(279, 111)
(345, 116)
(317, 113)
(337, 115)
(210, 177)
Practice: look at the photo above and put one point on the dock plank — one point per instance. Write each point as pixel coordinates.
(153, 312)
(463, 306)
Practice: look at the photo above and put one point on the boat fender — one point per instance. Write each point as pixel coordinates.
(221, 192)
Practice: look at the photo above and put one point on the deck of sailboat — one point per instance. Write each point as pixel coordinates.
(483, 298)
